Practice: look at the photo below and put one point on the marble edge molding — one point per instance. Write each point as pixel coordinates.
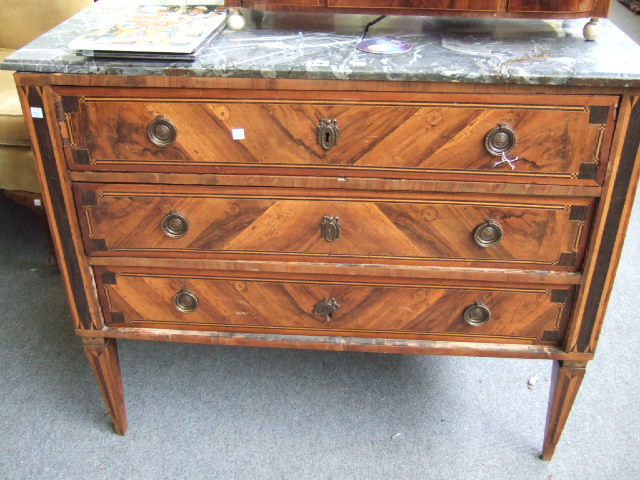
(321, 74)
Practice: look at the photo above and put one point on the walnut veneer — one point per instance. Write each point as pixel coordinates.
(475, 8)
(233, 212)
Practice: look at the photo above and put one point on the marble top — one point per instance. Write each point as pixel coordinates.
(322, 46)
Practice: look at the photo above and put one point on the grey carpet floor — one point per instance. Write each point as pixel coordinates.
(200, 412)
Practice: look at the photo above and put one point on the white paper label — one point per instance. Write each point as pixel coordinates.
(37, 202)
(318, 63)
(237, 133)
(36, 112)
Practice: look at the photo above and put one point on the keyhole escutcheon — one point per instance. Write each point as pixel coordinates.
(328, 133)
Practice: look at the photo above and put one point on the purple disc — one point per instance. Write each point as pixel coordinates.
(384, 46)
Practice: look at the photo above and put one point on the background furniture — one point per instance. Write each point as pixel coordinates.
(543, 9)
(23, 21)
(487, 8)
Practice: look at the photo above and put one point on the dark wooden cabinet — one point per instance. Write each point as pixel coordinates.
(459, 5)
(486, 8)
(552, 6)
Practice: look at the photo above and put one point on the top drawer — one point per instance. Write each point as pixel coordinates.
(555, 139)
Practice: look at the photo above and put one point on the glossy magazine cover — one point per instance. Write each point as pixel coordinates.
(155, 29)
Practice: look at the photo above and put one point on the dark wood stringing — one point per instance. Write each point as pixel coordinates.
(612, 227)
(48, 161)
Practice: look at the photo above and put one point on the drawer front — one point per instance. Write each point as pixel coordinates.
(558, 6)
(287, 3)
(209, 301)
(140, 220)
(554, 143)
(465, 5)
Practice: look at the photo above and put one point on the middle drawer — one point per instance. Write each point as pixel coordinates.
(193, 221)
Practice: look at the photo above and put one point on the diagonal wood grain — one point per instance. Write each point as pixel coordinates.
(428, 227)
(520, 314)
(554, 141)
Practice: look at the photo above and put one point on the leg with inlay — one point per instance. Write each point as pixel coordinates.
(565, 383)
(103, 357)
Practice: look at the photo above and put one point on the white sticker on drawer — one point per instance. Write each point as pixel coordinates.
(36, 112)
(237, 133)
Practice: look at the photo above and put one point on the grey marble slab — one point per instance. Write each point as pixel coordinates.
(322, 46)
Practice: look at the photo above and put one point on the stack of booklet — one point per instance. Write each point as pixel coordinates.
(154, 32)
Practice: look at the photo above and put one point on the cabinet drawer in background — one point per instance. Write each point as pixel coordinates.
(201, 300)
(477, 5)
(169, 221)
(559, 140)
(552, 6)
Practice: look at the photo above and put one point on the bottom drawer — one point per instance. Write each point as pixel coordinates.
(274, 303)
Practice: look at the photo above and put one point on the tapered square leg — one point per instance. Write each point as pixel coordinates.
(103, 357)
(565, 383)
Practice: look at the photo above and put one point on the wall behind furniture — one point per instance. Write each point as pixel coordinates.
(626, 20)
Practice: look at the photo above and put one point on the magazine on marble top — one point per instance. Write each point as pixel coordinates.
(154, 31)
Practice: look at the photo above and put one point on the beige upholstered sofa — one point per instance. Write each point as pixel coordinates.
(22, 21)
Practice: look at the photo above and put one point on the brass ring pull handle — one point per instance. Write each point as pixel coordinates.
(500, 140)
(488, 234)
(328, 133)
(326, 308)
(162, 132)
(185, 301)
(175, 224)
(477, 314)
(330, 228)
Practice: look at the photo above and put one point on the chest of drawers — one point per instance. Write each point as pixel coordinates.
(380, 216)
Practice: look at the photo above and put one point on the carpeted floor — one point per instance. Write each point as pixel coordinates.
(199, 412)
